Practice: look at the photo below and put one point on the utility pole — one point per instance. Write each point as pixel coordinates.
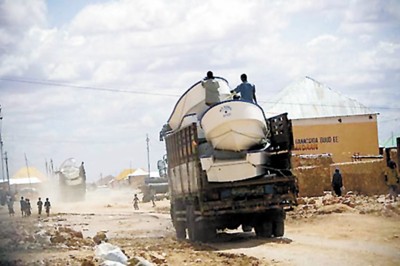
(51, 168)
(1, 148)
(27, 171)
(148, 153)
(8, 175)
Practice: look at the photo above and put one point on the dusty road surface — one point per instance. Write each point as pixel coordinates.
(352, 230)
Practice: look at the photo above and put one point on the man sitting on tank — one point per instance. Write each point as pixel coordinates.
(247, 90)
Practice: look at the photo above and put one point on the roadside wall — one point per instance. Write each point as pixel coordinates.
(314, 174)
(366, 177)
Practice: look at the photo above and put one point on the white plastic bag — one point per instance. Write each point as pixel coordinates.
(112, 253)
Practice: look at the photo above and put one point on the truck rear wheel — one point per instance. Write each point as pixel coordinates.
(191, 223)
(199, 230)
(176, 217)
(279, 227)
(207, 231)
(180, 230)
(278, 223)
(247, 228)
(263, 229)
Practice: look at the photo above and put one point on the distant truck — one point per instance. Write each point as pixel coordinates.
(228, 166)
(154, 187)
(72, 181)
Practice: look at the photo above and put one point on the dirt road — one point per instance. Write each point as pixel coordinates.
(366, 231)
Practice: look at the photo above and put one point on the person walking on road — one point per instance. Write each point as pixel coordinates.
(337, 182)
(28, 208)
(47, 206)
(22, 205)
(10, 205)
(392, 180)
(136, 202)
(153, 197)
(39, 205)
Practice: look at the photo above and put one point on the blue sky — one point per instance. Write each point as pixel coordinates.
(56, 57)
(62, 12)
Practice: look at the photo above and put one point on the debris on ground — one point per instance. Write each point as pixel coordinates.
(351, 202)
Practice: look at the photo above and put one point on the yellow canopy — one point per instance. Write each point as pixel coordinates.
(124, 174)
(29, 172)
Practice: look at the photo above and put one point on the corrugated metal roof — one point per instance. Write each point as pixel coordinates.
(308, 98)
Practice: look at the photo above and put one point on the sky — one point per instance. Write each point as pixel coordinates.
(90, 79)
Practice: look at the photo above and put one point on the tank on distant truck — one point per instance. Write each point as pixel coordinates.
(228, 166)
(72, 180)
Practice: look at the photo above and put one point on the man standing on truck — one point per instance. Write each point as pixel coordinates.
(82, 170)
(211, 86)
(247, 90)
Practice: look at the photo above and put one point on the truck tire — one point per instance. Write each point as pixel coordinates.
(180, 230)
(207, 231)
(198, 230)
(263, 229)
(247, 228)
(279, 227)
(180, 226)
(191, 223)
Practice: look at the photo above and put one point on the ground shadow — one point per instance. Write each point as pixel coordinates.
(236, 240)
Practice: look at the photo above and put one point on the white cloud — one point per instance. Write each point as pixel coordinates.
(370, 16)
(163, 47)
(326, 42)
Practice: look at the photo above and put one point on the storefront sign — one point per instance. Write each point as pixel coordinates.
(305, 144)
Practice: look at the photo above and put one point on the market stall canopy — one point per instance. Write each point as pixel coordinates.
(124, 174)
(139, 172)
(27, 175)
(25, 181)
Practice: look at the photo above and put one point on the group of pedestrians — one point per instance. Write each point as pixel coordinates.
(26, 208)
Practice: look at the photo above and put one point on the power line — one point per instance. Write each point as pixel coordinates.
(390, 120)
(329, 105)
(65, 141)
(58, 84)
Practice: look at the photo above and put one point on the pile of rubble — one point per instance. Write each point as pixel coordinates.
(16, 235)
(21, 234)
(69, 238)
(351, 202)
